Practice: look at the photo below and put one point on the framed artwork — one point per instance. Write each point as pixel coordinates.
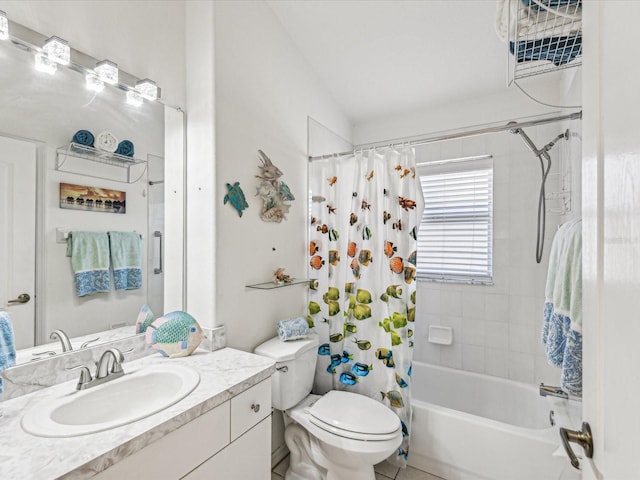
(93, 199)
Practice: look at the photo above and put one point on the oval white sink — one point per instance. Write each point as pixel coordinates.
(129, 398)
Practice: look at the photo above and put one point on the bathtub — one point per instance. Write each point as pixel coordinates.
(468, 426)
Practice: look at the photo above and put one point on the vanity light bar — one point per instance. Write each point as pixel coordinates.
(147, 88)
(57, 50)
(45, 64)
(4, 26)
(107, 71)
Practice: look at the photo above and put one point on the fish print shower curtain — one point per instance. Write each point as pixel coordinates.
(365, 210)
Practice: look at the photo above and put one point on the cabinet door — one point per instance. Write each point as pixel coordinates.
(176, 453)
(249, 407)
(248, 458)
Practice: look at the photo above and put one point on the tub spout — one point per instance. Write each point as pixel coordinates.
(548, 390)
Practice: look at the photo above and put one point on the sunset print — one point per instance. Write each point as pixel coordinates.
(81, 197)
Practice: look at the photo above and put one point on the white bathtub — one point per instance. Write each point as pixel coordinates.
(468, 426)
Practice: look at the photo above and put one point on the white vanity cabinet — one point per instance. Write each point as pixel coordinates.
(232, 441)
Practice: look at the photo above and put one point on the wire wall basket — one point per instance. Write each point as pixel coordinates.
(543, 36)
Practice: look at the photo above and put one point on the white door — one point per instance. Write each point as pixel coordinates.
(611, 241)
(18, 236)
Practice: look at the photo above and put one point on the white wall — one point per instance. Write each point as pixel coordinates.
(264, 92)
(496, 328)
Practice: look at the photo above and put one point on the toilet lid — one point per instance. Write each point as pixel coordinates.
(350, 412)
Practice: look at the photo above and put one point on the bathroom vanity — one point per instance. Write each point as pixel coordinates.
(207, 434)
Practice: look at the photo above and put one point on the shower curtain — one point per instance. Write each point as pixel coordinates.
(365, 211)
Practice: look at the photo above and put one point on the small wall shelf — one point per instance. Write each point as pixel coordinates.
(134, 167)
(271, 285)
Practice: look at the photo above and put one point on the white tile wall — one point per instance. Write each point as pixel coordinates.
(496, 329)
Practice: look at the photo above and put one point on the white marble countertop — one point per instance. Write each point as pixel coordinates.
(223, 374)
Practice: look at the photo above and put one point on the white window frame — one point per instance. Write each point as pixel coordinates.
(457, 192)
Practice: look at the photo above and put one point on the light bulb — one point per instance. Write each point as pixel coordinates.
(147, 88)
(44, 64)
(134, 98)
(57, 50)
(93, 83)
(107, 71)
(4, 26)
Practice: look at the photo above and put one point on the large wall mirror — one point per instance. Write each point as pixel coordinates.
(40, 113)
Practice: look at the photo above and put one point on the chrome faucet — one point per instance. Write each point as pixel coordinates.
(64, 340)
(548, 390)
(108, 368)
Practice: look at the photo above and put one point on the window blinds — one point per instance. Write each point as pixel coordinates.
(455, 239)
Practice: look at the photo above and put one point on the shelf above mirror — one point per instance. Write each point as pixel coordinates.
(134, 168)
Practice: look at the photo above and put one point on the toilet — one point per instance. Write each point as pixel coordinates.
(336, 436)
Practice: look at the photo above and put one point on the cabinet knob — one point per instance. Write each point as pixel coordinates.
(255, 407)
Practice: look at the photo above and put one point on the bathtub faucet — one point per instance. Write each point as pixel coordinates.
(548, 390)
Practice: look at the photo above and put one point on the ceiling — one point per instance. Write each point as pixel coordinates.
(380, 57)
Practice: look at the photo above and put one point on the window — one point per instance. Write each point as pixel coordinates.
(455, 240)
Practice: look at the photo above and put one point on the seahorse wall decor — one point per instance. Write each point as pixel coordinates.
(274, 192)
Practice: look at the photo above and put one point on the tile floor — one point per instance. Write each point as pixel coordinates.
(384, 471)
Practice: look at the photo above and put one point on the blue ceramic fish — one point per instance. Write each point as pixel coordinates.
(176, 334)
(324, 349)
(348, 378)
(285, 192)
(145, 318)
(235, 195)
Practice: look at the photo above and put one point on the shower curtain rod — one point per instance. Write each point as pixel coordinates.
(451, 136)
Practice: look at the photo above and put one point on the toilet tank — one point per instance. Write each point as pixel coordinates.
(295, 369)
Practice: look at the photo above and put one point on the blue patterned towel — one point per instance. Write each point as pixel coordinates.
(89, 252)
(292, 329)
(126, 260)
(7, 346)
(125, 147)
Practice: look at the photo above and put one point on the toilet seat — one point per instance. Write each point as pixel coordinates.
(347, 415)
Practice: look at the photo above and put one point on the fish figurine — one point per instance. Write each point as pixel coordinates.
(268, 170)
(394, 397)
(235, 196)
(361, 369)
(324, 349)
(145, 318)
(348, 378)
(176, 334)
(285, 192)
